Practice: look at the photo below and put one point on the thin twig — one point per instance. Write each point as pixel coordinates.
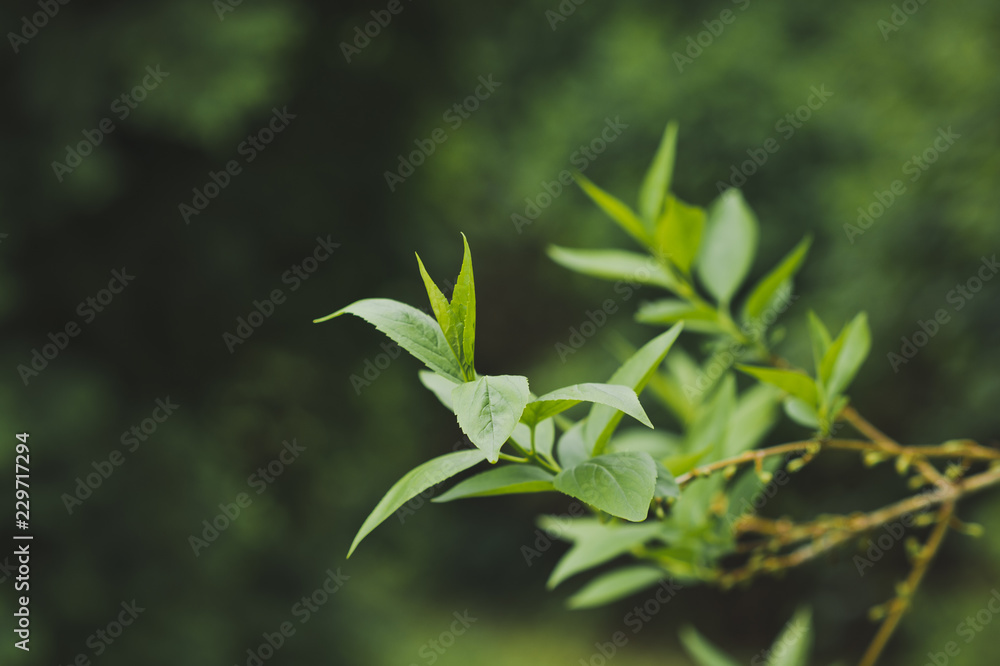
(900, 604)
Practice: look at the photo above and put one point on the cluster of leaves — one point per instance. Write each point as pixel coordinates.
(627, 477)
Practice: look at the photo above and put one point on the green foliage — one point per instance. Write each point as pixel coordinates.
(791, 648)
(652, 495)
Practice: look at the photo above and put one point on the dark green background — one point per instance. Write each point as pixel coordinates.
(324, 175)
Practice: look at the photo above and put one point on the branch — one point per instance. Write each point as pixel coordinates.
(901, 603)
(828, 533)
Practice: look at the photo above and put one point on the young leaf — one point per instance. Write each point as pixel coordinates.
(613, 265)
(851, 347)
(615, 585)
(457, 318)
(615, 209)
(703, 652)
(666, 484)
(728, 249)
(801, 412)
(672, 310)
(679, 232)
(618, 397)
(463, 310)
(794, 383)
(416, 481)
(621, 484)
(410, 328)
(505, 480)
(439, 304)
(763, 293)
(820, 339)
(572, 448)
(792, 647)
(594, 543)
(488, 408)
(635, 373)
(545, 438)
(656, 183)
(439, 385)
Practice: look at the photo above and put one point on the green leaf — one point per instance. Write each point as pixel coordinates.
(708, 431)
(416, 481)
(671, 311)
(666, 484)
(488, 408)
(410, 328)
(850, 348)
(703, 652)
(457, 318)
(439, 304)
(792, 647)
(615, 585)
(463, 311)
(679, 232)
(762, 295)
(618, 397)
(439, 385)
(613, 265)
(621, 484)
(802, 413)
(728, 248)
(755, 414)
(615, 209)
(505, 480)
(794, 383)
(572, 448)
(656, 183)
(634, 373)
(593, 542)
(684, 462)
(820, 339)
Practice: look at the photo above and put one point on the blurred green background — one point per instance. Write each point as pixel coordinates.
(228, 67)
